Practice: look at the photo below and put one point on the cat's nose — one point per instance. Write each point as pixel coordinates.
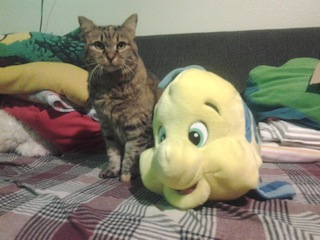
(110, 56)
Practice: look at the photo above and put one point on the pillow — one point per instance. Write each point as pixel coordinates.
(19, 48)
(282, 92)
(63, 78)
(67, 132)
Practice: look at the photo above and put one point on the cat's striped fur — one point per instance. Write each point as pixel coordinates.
(122, 92)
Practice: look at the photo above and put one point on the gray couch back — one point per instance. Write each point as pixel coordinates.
(229, 54)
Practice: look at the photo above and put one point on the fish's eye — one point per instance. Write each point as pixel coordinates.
(121, 45)
(198, 134)
(162, 134)
(99, 45)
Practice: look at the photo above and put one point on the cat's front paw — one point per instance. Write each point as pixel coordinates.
(129, 175)
(109, 172)
(125, 177)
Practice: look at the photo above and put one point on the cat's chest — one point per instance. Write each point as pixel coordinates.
(115, 100)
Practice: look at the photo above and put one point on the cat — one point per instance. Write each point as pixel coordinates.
(15, 136)
(122, 92)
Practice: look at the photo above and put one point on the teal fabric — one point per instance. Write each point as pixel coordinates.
(44, 47)
(282, 92)
(173, 74)
(275, 190)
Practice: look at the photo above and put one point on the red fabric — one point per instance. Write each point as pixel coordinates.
(68, 132)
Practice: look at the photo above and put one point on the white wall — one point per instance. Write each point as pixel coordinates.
(161, 16)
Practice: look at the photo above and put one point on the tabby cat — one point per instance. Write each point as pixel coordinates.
(122, 93)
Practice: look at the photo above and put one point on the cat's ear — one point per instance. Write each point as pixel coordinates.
(86, 24)
(131, 24)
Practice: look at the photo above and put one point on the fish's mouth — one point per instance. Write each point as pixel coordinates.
(189, 197)
(187, 190)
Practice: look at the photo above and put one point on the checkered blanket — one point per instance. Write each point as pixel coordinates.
(63, 198)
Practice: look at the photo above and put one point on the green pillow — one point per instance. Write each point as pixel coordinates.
(282, 92)
(19, 48)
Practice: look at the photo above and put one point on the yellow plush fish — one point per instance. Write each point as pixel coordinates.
(206, 145)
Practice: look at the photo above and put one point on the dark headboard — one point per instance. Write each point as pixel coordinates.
(229, 54)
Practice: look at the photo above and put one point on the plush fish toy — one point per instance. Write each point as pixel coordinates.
(206, 143)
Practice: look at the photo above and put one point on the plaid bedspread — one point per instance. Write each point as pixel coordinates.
(63, 198)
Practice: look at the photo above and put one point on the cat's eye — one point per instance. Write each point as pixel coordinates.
(162, 134)
(121, 45)
(99, 45)
(198, 134)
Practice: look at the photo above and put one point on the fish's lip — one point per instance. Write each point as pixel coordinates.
(195, 198)
(188, 190)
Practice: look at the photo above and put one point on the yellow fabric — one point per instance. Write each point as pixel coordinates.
(14, 37)
(62, 78)
(223, 165)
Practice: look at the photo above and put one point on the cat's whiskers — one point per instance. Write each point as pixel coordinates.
(127, 71)
(124, 72)
(92, 73)
(100, 71)
(130, 61)
(89, 64)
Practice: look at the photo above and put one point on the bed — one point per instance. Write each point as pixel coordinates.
(62, 197)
